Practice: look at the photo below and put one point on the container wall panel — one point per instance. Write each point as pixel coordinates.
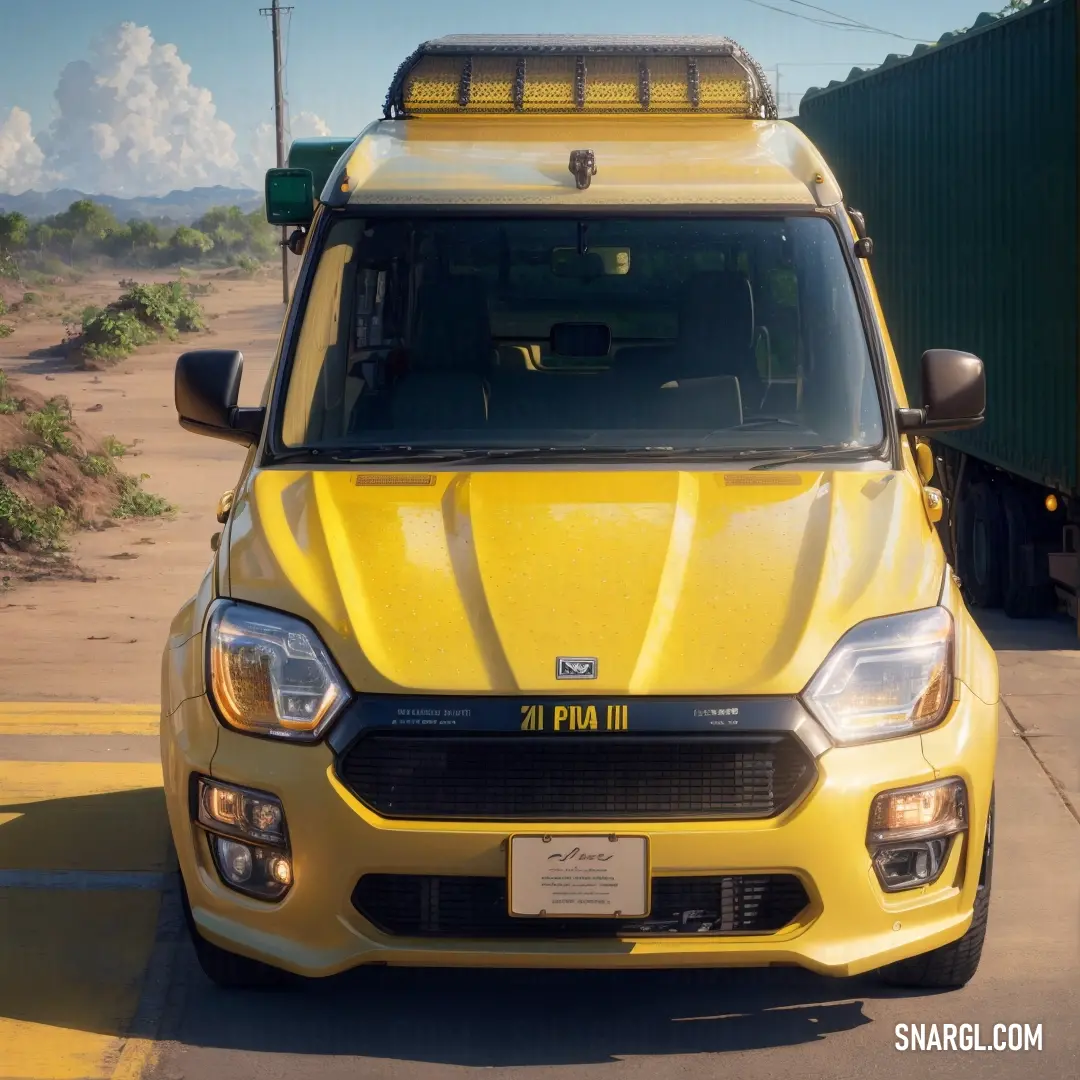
(964, 160)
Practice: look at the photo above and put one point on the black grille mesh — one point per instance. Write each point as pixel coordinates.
(416, 905)
(578, 778)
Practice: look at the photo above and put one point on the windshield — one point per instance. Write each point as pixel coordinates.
(677, 334)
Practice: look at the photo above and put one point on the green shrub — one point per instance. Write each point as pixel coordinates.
(166, 307)
(6, 329)
(31, 298)
(137, 317)
(22, 523)
(134, 502)
(8, 406)
(27, 459)
(112, 335)
(51, 424)
(113, 447)
(96, 465)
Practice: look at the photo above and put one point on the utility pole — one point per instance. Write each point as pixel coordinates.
(274, 11)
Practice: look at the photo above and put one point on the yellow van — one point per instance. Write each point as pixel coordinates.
(580, 603)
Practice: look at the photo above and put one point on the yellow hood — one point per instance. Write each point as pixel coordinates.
(677, 582)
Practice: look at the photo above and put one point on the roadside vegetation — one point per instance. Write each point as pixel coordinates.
(54, 480)
(88, 236)
(140, 315)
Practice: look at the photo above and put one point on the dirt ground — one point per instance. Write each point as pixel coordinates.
(101, 640)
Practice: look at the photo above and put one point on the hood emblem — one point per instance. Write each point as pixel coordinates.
(575, 667)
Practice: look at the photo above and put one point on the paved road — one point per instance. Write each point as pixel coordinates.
(70, 971)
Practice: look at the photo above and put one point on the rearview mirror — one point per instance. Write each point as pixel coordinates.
(953, 394)
(290, 196)
(594, 263)
(206, 387)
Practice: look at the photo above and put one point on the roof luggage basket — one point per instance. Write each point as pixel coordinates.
(561, 74)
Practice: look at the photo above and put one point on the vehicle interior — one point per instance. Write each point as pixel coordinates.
(417, 329)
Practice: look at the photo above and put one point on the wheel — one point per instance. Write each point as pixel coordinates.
(980, 541)
(1027, 591)
(952, 966)
(229, 970)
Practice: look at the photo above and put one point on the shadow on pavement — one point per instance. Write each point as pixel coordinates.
(499, 1018)
(1055, 633)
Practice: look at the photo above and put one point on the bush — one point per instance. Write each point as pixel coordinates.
(113, 447)
(22, 523)
(137, 317)
(51, 424)
(6, 329)
(112, 335)
(167, 308)
(134, 502)
(27, 460)
(96, 465)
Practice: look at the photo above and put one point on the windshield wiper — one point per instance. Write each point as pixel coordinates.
(841, 452)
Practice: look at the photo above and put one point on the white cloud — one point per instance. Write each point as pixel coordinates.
(20, 156)
(130, 122)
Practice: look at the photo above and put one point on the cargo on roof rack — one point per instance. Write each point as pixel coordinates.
(560, 74)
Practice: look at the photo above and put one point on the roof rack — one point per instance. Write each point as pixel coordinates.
(566, 74)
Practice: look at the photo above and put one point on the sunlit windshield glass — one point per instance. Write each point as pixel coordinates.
(552, 333)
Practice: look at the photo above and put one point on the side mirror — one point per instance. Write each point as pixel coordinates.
(207, 384)
(290, 196)
(953, 394)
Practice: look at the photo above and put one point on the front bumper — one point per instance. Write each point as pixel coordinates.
(848, 927)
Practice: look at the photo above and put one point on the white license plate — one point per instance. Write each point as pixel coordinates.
(579, 876)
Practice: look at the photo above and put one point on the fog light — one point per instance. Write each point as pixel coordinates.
(280, 869)
(256, 871)
(235, 861)
(909, 832)
(907, 865)
(248, 837)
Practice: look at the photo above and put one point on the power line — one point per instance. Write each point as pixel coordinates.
(838, 22)
(854, 22)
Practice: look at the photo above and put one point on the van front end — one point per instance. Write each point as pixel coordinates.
(418, 829)
(581, 602)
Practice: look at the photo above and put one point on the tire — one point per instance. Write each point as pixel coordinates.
(952, 966)
(229, 970)
(1027, 592)
(980, 541)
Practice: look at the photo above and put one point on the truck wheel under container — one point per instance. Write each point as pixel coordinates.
(1027, 592)
(980, 542)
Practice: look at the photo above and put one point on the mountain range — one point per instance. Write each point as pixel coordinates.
(178, 207)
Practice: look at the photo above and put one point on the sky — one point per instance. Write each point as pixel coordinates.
(140, 97)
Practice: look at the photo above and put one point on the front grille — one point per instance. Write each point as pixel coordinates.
(577, 778)
(417, 905)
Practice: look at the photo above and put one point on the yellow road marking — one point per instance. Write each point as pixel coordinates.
(77, 718)
(76, 942)
(71, 967)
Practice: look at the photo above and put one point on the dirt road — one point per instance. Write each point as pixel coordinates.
(102, 640)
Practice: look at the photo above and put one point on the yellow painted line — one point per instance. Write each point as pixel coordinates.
(77, 718)
(137, 1060)
(82, 816)
(71, 968)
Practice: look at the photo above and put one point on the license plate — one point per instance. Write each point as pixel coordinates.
(579, 876)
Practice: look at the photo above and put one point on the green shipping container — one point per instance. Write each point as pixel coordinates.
(963, 158)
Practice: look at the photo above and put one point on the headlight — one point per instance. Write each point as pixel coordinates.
(270, 674)
(886, 677)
